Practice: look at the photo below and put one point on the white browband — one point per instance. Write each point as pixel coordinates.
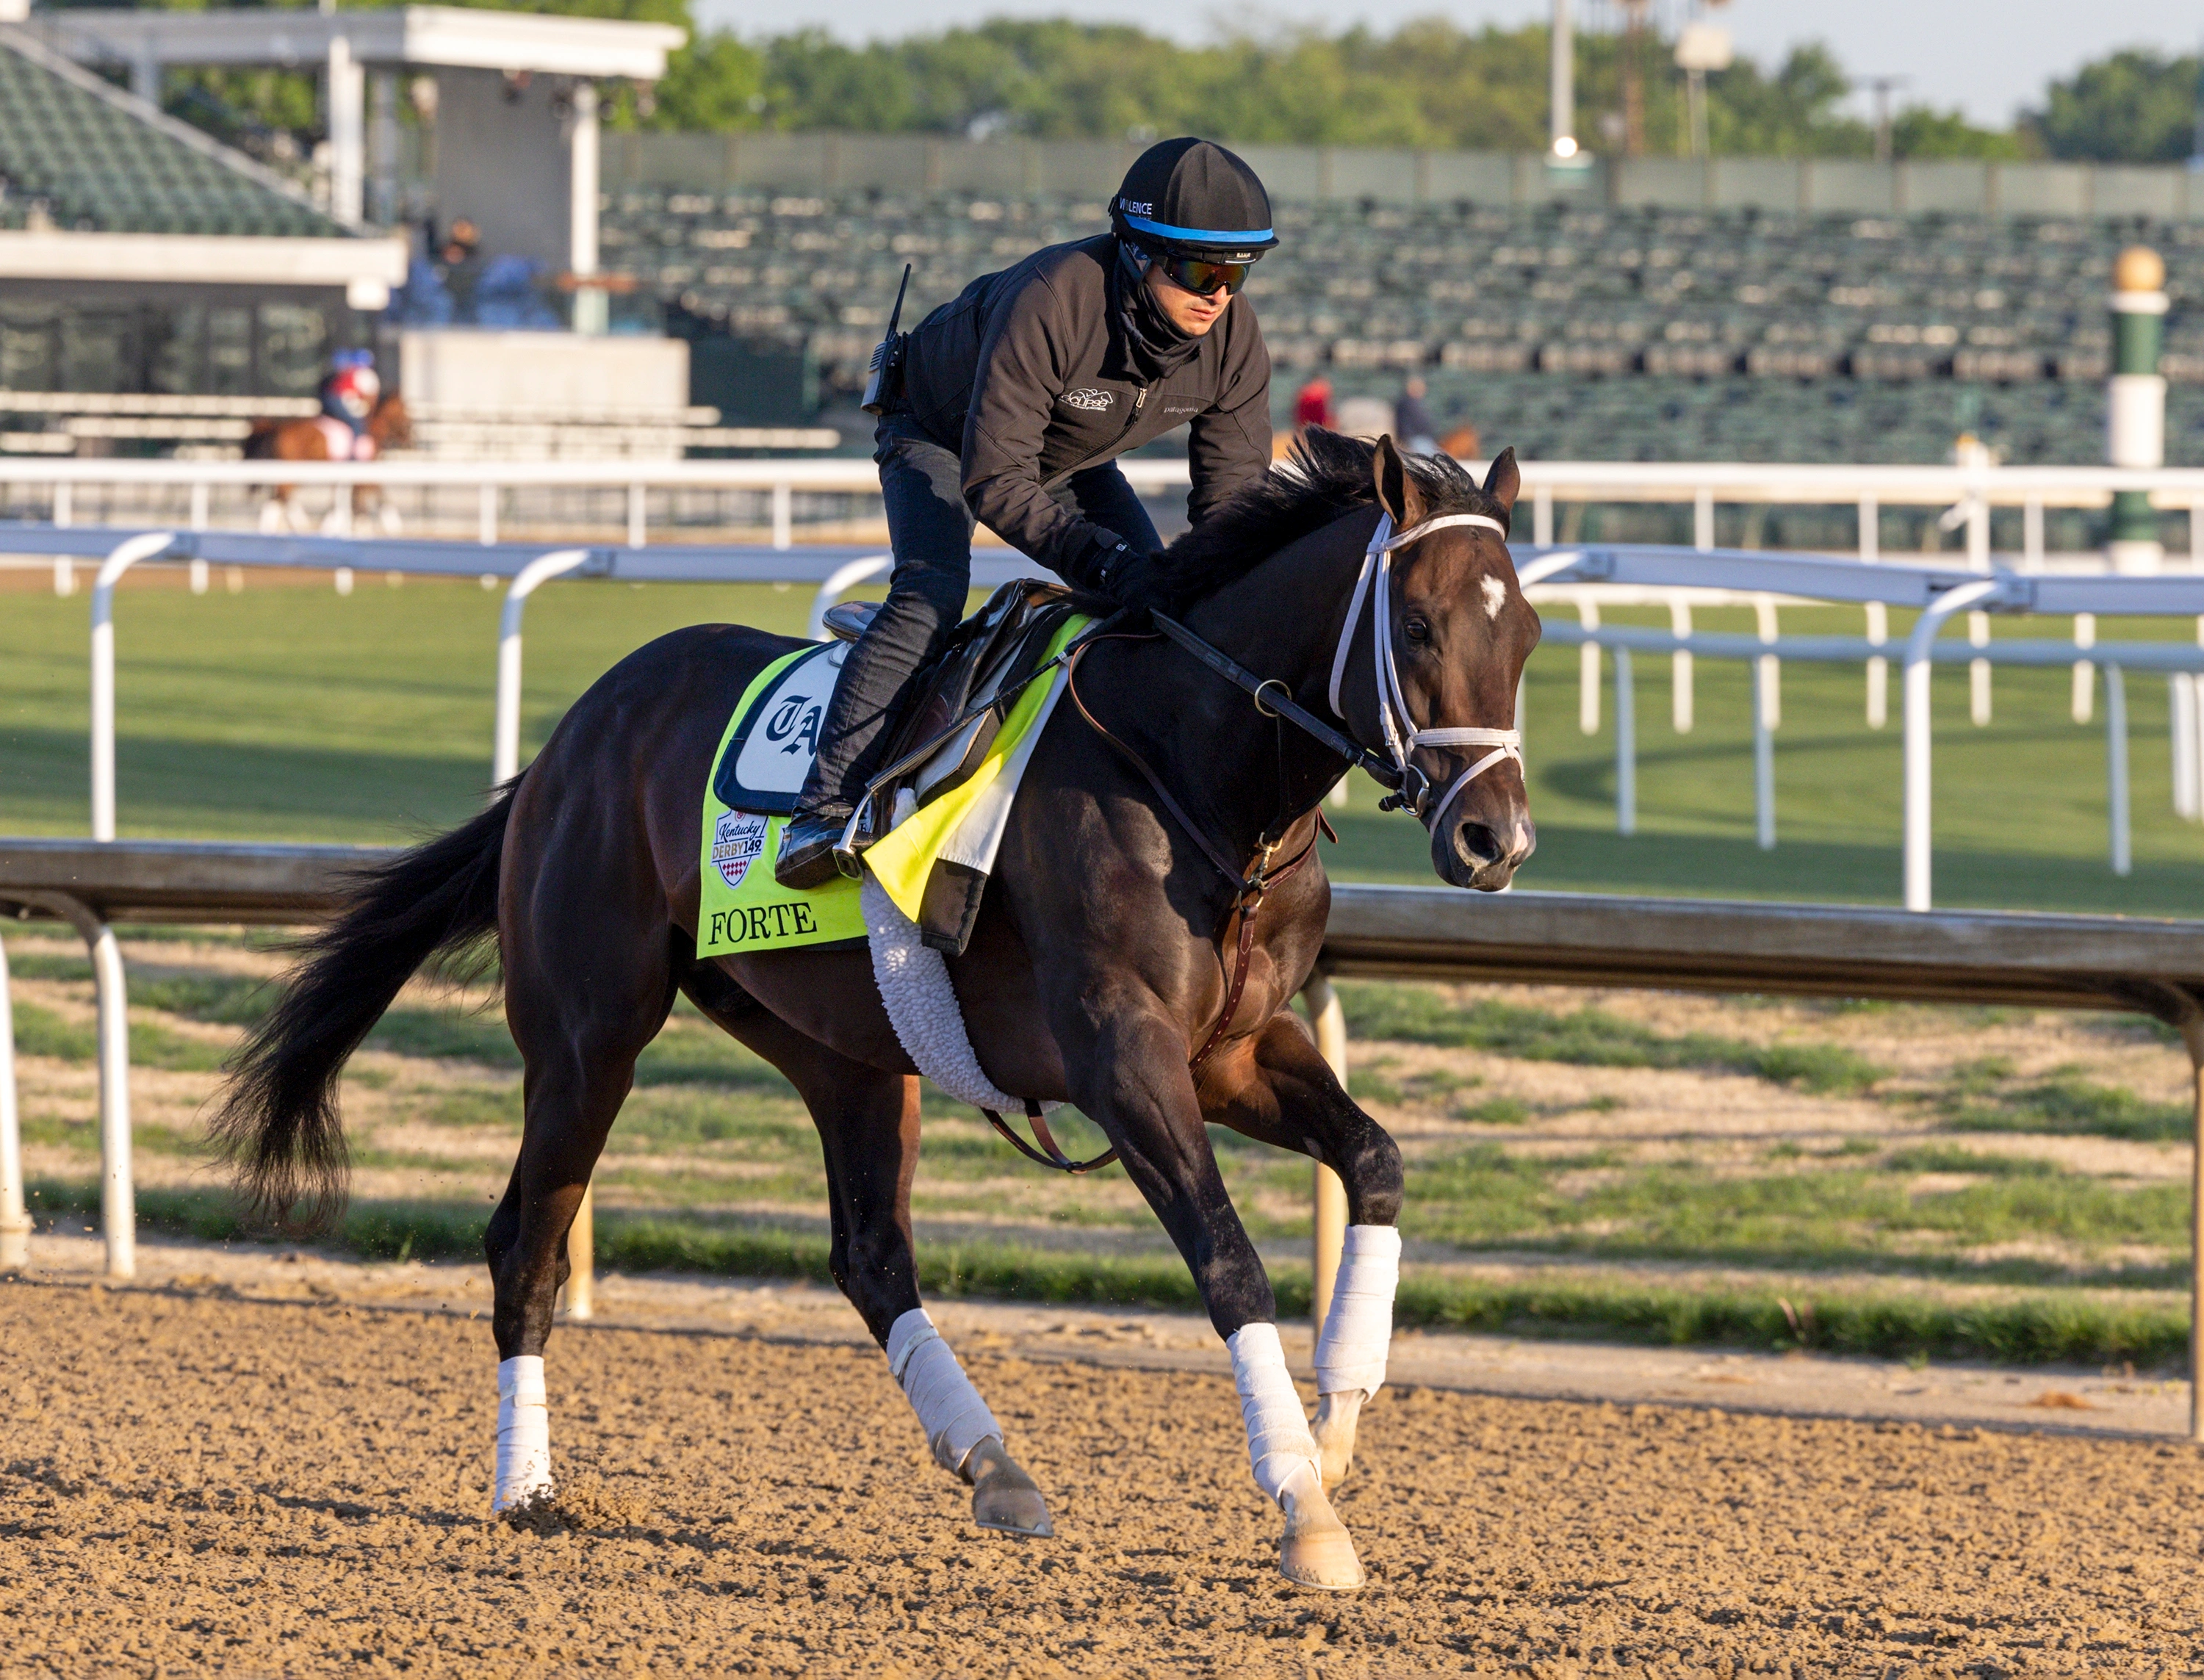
(1402, 737)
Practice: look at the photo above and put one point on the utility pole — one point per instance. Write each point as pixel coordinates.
(1561, 84)
(1634, 77)
(1700, 47)
(1883, 87)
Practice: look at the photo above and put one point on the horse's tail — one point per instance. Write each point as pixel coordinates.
(278, 1123)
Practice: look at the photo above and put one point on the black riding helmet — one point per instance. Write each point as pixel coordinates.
(1193, 198)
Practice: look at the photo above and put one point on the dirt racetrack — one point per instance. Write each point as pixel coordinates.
(192, 1482)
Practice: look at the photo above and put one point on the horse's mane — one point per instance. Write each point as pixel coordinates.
(1326, 476)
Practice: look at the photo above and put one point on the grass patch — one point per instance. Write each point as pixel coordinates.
(2032, 1328)
(1984, 1096)
(1950, 1158)
(1591, 1039)
(448, 1033)
(40, 1032)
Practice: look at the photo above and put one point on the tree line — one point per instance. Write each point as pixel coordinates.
(1428, 83)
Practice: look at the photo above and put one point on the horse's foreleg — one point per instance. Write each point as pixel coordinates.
(1135, 1084)
(867, 1121)
(1281, 1092)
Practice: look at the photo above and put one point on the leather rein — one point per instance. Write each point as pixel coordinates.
(1408, 788)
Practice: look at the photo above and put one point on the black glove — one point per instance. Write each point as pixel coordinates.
(1131, 576)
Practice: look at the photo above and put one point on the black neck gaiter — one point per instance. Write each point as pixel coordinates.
(1153, 347)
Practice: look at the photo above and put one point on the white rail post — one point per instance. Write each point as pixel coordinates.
(784, 515)
(1919, 730)
(2181, 703)
(1767, 692)
(2085, 673)
(1328, 1194)
(15, 1218)
(1588, 668)
(637, 516)
(1763, 763)
(1702, 520)
(65, 576)
(1878, 667)
(1870, 530)
(504, 754)
(486, 515)
(1681, 711)
(125, 555)
(846, 575)
(117, 1201)
(343, 580)
(1625, 746)
(1978, 671)
(2116, 770)
(198, 577)
(1542, 518)
(2031, 535)
(64, 505)
(200, 495)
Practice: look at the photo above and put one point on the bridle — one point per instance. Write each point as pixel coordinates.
(1411, 788)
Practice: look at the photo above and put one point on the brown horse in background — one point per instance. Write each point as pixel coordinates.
(311, 438)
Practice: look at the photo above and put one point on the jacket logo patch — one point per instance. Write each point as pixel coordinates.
(1086, 397)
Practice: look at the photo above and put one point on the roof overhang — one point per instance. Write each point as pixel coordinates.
(428, 37)
(365, 267)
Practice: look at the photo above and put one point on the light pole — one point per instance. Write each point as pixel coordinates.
(1561, 85)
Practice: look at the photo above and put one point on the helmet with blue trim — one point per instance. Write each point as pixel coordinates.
(1193, 198)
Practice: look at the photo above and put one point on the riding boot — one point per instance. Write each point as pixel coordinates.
(810, 854)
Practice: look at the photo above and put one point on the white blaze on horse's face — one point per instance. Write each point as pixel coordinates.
(1495, 597)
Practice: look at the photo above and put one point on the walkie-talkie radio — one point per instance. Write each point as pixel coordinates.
(887, 376)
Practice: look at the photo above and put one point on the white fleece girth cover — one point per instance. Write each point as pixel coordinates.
(1280, 1447)
(923, 1007)
(950, 1410)
(1358, 1330)
(523, 1431)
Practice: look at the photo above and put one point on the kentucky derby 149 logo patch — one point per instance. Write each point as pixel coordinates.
(1086, 397)
(737, 842)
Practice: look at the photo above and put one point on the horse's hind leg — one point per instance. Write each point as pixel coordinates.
(867, 1123)
(578, 1045)
(1282, 1091)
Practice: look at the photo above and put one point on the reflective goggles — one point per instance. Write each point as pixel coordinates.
(1204, 279)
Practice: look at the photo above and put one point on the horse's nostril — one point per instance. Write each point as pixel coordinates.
(1478, 844)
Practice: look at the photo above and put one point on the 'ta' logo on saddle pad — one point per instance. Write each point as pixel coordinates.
(771, 744)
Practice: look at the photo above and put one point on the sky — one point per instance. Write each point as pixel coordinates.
(1988, 57)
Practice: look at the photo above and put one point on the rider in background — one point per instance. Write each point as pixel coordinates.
(1015, 401)
(349, 395)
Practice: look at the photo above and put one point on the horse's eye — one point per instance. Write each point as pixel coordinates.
(1418, 630)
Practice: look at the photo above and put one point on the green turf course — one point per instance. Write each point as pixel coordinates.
(293, 714)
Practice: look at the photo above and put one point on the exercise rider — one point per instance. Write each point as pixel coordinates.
(1009, 407)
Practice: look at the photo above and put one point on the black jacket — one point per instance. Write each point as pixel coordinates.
(1026, 376)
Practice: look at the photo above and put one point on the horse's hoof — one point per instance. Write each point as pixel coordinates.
(1003, 1497)
(1334, 1429)
(1318, 1552)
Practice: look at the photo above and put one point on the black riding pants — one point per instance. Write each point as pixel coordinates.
(930, 531)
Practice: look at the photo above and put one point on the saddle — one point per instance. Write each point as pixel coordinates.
(976, 678)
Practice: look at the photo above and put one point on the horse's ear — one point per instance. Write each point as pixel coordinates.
(1396, 491)
(1504, 480)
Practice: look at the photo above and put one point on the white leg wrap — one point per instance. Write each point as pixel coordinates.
(1358, 1328)
(1279, 1445)
(524, 1430)
(950, 1410)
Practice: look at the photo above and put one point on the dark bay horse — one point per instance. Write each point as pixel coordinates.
(319, 438)
(1366, 588)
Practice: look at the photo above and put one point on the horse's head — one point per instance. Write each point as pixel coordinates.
(1460, 631)
(390, 425)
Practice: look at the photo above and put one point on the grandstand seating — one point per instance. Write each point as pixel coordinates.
(75, 155)
(1620, 333)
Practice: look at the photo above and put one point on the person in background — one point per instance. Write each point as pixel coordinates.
(1312, 405)
(1413, 428)
(460, 264)
(349, 395)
